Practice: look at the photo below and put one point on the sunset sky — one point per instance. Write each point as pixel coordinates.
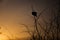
(14, 13)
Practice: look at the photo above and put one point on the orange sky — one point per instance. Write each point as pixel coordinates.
(15, 13)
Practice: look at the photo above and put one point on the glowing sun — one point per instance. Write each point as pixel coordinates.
(3, 37)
